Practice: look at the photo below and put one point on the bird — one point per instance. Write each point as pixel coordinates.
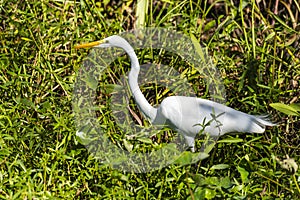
(186, 115)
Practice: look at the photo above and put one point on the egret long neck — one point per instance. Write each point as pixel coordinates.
(141, 101)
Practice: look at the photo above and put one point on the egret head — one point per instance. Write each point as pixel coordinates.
(111, 41)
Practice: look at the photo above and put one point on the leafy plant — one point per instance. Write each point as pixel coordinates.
(292, 109)
(254, 44)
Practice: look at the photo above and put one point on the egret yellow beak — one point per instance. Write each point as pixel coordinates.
(91, 44)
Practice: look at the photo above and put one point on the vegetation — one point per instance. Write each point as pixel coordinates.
(254, 44)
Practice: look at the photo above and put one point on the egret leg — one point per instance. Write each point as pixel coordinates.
(190, 142)
(209, 145)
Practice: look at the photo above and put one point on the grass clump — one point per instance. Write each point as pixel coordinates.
(254, 45)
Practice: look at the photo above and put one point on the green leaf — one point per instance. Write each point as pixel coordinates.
(141, 13)
(199, 194)
(210, 25)
(210, 194)
(296, 106)
(26, 39)
(212, 180)
(286, 109)
(197, 46)
(114, 88)
(282, 23)
(244, 174)
(91, 82)
(5, 152)
(145, 140)
(225, 182)
(187, 158)
(199, 179)
(27, 102)
(82, 138)
(231, 140)
(128, 145)
(220, 166)
(184, 159)
(270, 36)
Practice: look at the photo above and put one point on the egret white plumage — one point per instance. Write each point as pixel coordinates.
(185, 114)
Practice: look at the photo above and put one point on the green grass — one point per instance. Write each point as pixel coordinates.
(255, 47)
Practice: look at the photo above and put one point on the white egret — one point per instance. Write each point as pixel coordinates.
(185, 114)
